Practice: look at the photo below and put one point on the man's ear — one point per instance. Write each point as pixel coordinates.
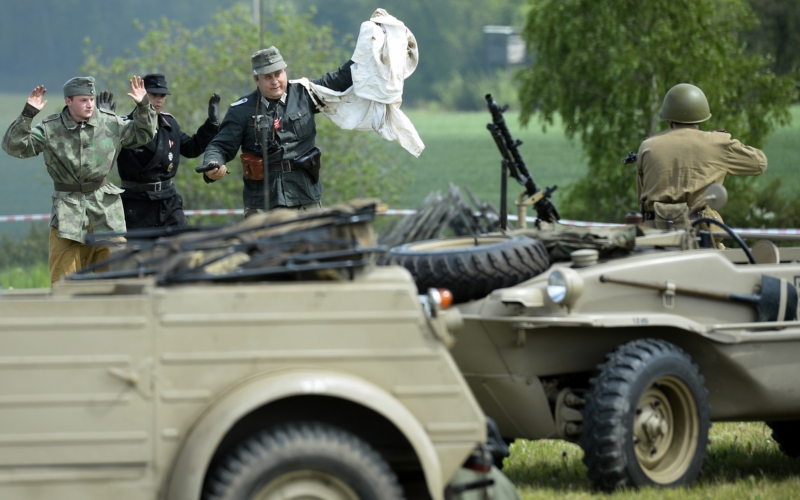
(67, 100)
(255, 78)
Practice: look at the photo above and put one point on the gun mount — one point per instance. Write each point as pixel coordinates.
(514, 165)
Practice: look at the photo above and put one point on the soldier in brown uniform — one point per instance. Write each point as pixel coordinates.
(676, 166)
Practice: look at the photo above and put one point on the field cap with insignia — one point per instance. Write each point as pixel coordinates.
(80, 85)
(266, 61)
(156, 84)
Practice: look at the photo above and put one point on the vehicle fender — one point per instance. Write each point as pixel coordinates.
(192, 459)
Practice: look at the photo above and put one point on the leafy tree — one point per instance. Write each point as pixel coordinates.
(605, 67)
(450, 38)
(216, 58)
(778, 33)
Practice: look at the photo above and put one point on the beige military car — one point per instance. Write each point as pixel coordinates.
(180, 373)
(630, 347)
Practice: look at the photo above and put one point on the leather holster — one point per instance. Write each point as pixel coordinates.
(252, 167)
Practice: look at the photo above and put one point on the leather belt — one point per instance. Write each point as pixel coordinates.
(87, 187)
(281, 166)
(138, 187)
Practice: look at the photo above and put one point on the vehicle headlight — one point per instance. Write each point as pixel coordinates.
(564, 286)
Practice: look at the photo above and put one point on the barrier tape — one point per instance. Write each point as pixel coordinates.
(567, 222)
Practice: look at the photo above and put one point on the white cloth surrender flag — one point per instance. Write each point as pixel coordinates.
(386, 54)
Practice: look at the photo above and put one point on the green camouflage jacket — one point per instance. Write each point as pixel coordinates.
(82, 153)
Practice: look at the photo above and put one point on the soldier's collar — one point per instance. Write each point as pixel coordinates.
(71, 124)
(267, 101)
(162, 121)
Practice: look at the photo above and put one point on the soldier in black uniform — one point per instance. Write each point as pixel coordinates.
(278, 116)
(150, 198)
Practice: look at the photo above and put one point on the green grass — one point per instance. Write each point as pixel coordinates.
(742, 463)
(37, 276)
(459, 149)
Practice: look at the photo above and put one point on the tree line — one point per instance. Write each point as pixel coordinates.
(48, 37)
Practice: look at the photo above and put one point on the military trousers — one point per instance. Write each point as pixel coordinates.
(154, 213)
(69, 256)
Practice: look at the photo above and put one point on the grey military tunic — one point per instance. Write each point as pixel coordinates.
(296, 134)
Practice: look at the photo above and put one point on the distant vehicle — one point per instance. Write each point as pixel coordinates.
(168, 377)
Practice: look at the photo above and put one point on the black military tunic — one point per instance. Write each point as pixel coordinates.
(150, 198)
(295, 135)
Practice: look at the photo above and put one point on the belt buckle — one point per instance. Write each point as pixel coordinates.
(157, 186)
(286, 166)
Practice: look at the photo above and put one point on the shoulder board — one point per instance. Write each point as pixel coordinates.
(106, 111)
(240, 101)
(168, 114)
(51, 117)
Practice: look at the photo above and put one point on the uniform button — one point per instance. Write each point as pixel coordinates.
(86, 165)
(85, 146)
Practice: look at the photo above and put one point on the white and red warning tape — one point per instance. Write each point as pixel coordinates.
(567, 222)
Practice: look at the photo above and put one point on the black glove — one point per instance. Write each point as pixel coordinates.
(106, 101)
(213, 108)
(210, 165)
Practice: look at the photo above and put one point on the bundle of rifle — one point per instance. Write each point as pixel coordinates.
(440, 215)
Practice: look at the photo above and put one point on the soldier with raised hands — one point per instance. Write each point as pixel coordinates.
(150, 198)
(80, 145)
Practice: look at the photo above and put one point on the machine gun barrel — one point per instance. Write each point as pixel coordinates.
(509, 150)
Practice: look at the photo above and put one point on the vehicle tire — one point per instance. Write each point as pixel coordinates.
(470, 266)
(306, 460)
(787, 435)
(646, 418)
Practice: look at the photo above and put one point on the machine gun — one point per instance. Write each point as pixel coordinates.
(514, 165)
(631, 158)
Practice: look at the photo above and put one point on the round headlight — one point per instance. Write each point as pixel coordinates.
(557, 287)
(564, 286)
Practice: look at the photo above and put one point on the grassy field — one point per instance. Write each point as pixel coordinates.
(459, 149)
(742, 463)
(37, 276)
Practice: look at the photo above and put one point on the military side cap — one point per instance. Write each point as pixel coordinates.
(156, 84)
(266, 61)
(80, 85)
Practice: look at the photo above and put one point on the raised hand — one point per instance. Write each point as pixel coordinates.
(36, 98)
(106, 101)
(213, 108)
(137, 92)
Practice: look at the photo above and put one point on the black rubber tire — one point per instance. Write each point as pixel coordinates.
(616, 417)
(269, 457)
(787, 435)
(470, 267)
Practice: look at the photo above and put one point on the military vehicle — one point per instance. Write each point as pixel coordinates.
(631, 356)
(266, 360)
(629, 341)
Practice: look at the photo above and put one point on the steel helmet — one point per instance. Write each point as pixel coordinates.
(685, 103)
